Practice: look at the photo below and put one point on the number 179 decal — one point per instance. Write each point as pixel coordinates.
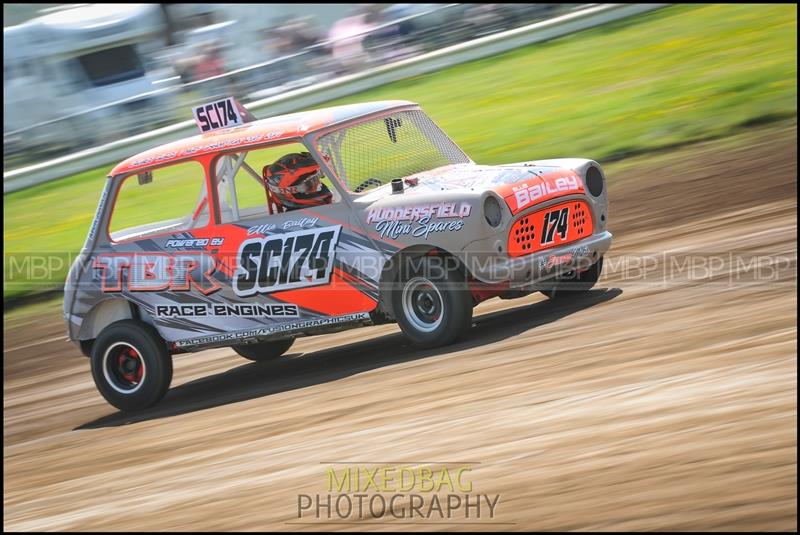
(555, 221)
(286, 261)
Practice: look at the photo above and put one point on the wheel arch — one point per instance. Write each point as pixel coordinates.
(391, 270)
(103, 314)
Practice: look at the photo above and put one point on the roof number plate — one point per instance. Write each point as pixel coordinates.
(220, 114)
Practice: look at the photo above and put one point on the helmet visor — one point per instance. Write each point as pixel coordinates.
(309, 183)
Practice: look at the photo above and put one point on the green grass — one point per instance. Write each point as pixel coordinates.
(670, 77)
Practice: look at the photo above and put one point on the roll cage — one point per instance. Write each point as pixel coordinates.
(222, 168)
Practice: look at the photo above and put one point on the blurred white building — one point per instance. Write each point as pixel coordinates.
(61, 64)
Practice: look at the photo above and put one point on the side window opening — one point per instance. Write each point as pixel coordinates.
(168, 199)
(246, 195)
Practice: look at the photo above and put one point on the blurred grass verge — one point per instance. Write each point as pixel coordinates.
(650, 83)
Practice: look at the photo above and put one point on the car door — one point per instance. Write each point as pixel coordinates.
(310, 266)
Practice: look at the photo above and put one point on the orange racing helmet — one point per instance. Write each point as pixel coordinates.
(294, 181)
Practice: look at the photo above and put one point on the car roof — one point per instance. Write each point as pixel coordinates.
(272, 129)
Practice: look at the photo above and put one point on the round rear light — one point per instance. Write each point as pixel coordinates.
(594, 181)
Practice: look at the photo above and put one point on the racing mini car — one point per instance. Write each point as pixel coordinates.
(256, 232)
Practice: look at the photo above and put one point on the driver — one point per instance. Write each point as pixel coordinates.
(294, 182)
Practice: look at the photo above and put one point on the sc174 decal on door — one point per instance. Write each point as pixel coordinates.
(286, 261)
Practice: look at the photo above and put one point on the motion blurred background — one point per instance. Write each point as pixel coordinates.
(110, 71)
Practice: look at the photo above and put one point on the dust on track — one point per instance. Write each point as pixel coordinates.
(665, 401)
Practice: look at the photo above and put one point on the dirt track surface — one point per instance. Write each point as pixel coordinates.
(658, 402)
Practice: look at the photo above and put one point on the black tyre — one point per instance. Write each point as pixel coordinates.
(431, 301)
(574, 283)
(264, 351)
(131, 366)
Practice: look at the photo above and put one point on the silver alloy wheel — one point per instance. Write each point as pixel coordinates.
(422, 304)
(123, 368)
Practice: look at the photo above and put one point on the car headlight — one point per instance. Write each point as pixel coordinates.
(594, 181)
(492, 211)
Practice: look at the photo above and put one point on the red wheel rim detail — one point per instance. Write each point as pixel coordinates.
(129, 365)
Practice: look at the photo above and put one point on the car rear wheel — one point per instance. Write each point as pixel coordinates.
(264, 351)
(431, 303)
(575, 282)
(131, 366)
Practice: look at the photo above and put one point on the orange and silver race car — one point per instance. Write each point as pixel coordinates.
(255, 232)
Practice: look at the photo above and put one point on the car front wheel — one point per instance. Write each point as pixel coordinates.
(431, 303)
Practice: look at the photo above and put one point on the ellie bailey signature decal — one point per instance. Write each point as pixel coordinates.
(292, 223)
(417, 220)
(286, 261)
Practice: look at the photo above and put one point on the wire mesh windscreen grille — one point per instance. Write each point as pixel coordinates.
(373, 153)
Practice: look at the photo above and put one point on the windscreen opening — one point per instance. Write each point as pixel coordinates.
(371, 154)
